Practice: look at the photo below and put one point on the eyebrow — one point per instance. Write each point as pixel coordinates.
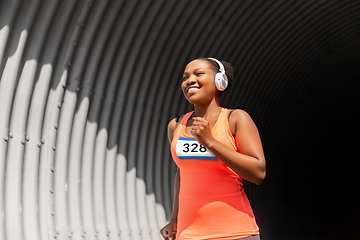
(196, 69)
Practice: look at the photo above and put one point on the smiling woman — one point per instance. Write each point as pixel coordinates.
(204, 65)
(217, 147)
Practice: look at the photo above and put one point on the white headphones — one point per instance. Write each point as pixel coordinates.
(221, 80)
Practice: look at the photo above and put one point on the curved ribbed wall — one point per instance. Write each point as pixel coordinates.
(88, 87)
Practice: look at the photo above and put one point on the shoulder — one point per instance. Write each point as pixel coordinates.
(239, 114)
(174, 123)
(171, 129)
(238, 118)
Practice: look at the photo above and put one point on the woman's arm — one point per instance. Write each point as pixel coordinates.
(176, 196)
(249, 162)
(169, 231)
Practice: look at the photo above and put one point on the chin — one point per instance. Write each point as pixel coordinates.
(195, 100)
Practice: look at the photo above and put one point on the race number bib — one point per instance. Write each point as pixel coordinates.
(190, 148)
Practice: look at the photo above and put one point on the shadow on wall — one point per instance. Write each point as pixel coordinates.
(84, 118)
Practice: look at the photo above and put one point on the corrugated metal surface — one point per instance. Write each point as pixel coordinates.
(87, 89)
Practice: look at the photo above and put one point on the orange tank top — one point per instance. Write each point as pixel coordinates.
(212, 201)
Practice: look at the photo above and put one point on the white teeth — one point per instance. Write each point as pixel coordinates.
(192, 90)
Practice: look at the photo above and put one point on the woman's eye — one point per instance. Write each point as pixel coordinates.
(199, 73)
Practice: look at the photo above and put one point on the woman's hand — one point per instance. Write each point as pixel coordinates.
(169, 231)
(201, 130)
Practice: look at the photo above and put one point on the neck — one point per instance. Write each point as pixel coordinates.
(204, 111)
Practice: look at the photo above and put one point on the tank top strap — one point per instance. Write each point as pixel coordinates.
(186, 118)
(180, 126)
(224, 125)
(222, 119)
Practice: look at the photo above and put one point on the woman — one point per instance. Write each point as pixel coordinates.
(214, 148)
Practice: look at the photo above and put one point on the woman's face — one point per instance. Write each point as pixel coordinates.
(198, 83)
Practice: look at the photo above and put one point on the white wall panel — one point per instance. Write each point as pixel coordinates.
(64, 178)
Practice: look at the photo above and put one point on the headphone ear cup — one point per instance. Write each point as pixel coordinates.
(221, 81)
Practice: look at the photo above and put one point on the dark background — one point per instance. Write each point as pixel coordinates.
(297, 67)
(299, 78)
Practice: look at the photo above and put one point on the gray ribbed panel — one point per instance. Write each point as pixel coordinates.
(87, 89)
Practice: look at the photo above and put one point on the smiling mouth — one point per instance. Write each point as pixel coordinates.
(192, 89)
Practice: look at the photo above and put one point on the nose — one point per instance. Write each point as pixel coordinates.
(191, 80)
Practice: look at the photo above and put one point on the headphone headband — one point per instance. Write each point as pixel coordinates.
(221, 66)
